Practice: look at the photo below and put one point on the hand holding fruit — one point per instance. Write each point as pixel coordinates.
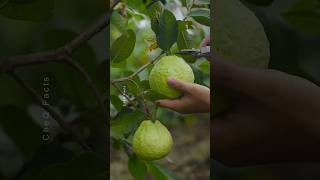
(195, 99)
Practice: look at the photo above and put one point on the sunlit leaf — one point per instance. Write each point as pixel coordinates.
(166, 30)
(201, 15)
(122, 47)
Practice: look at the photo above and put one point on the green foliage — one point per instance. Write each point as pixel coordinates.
(137, 167)
(201, 15)
(166, 30)
(160, 29)
(123, 46)
(305, 16)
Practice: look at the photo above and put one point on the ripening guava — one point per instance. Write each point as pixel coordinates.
(165, 68)
(152, 140)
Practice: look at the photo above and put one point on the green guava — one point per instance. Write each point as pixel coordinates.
(152, 140)
(238, 37)
(165, 68)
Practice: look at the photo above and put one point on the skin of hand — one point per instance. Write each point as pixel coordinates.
(195, 99)
(275, 118)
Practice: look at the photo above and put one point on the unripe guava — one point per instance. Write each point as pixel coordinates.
(152, 140)
(165, 68)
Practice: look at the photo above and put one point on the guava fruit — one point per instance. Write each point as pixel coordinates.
(152, 140)
(238, 37)
(165, 68)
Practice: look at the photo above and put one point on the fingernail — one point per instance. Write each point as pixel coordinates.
(171, 80)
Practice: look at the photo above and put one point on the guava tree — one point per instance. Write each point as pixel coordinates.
(142, 34)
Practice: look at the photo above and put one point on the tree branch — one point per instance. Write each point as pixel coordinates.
(56, 115)
(138, 71)
(57, 55)
(90, 82)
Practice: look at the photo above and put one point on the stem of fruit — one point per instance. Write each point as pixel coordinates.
(146, 109)
(154, 116)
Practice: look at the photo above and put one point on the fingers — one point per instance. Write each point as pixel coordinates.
(171, 104)
(205, 41)
(180, 85)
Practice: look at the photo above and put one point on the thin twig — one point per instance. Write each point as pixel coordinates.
(138, 71)
(122, 93)
(146, 109)
(56, 115)
(57, 55)
(90, 83)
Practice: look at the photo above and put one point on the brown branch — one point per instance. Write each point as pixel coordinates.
(57, 55)
(56, 115)
(90, 83)
(138, 71)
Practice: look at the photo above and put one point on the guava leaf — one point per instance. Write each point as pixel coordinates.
(137, 167)
(155, 12)
(261, 2)
(201, 15)
(238, 35)
(202, 2)
(116, 102)
(125, 123)
(166, 30)
(160, 172)
(119, 21)
(305, 16)
(205, 66)
(184, 41)
(122, 47)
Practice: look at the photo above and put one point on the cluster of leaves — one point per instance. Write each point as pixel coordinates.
(140, 32)
(25, 30)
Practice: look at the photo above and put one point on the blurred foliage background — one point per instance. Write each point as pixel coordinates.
(292, 27)
(28, 26)
(137, 39)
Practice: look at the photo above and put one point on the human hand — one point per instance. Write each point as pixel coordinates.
(275, 118)
(195, 99)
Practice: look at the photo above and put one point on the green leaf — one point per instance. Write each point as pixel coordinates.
(160, 172)
(152, 95)
(125, 123)
(202, 2)
(137, 167)
(117, 103)
(305, 16)
(184, 40)
(166, 30)
(19, 126)
(119, 21)
(205, 67)
(30, 10)
(155, 11)
(261, 2)
(201, 15)
(122, 47)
